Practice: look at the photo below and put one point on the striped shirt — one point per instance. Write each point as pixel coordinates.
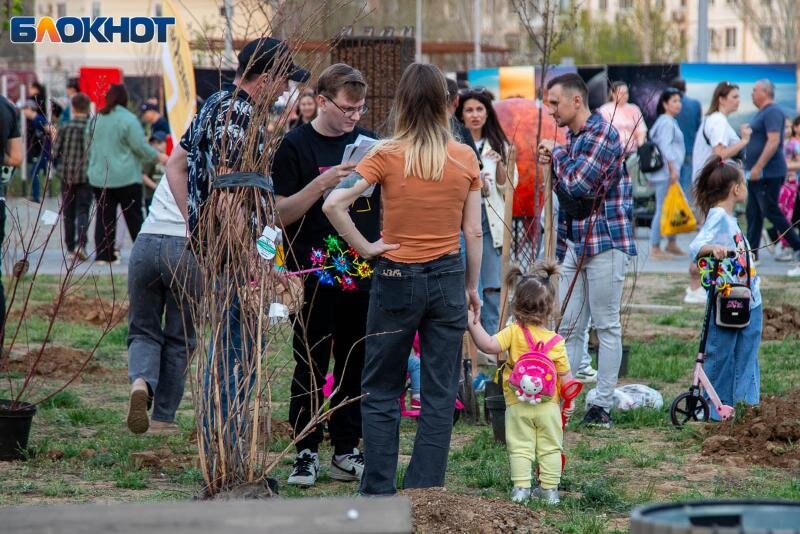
(590, 163)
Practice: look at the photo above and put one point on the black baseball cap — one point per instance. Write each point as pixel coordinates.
(260, 56)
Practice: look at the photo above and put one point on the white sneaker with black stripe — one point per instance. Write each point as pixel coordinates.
(348, 467)
(305, 470)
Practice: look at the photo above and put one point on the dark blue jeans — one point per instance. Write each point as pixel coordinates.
(234, 372)
(762, 203)
(40, 165)
(161, 336)
(405, 298)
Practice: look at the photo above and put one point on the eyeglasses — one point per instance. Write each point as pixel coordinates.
(730, 85)
(348, 112)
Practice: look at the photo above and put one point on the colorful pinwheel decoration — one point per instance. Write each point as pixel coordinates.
(338, 264)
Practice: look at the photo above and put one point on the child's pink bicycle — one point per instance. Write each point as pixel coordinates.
(692, 405)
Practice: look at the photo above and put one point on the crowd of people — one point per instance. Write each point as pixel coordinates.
(426, 207)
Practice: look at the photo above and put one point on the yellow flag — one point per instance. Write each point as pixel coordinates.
(179, 92)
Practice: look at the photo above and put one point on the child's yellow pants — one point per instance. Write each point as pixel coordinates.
(534, 431)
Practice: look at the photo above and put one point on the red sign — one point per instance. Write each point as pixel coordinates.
(95, 81)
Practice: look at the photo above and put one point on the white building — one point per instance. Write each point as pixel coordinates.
(730, 38)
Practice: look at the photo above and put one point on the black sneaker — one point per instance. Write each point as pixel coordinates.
(597, 416)
(306, 469)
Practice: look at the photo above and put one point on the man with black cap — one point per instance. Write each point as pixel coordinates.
(204, 150)
(151, 114)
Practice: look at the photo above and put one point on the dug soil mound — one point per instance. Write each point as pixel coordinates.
(768, 434)
(780, 323)
(83, 310)
(55, 362)
(438, 511)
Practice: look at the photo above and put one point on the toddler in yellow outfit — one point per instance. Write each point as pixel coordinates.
(533, 431)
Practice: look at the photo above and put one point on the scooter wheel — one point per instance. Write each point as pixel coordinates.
(688, 407)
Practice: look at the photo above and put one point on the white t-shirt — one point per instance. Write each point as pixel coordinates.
(164, 218)
(719, 132)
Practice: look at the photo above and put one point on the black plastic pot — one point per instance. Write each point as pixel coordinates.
(15, 427)
(623, 364)
(740, 517)
(496, 407)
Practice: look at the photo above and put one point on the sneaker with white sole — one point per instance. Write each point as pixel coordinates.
(586, 374)
(695, 296)
(597, 416)
(349, 467)
(794, 272)
(521, 495)
(548, 496)
(783, 253)
(305, 470)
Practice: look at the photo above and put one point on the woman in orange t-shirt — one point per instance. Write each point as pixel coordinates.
(430, 186)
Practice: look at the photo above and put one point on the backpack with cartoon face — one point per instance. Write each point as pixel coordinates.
(533, 378)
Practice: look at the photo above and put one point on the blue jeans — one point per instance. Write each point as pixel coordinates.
(413, 374)
(406, 298)
(489, 279)
(40, 165)
(161, 336)
(235, 387)
(661, 189)
(686, 177)
(732, 362)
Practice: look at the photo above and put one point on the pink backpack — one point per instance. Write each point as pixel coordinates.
(786, 201)
(534, 375)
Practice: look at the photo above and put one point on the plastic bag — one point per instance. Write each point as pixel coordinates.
(676, 216)
(631, 396)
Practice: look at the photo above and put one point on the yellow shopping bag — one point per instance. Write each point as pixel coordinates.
(676, 215)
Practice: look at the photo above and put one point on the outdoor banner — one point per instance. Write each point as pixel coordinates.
(513, 82)
(179, 88)
(702, 78)
(645, 85)
(95, 81)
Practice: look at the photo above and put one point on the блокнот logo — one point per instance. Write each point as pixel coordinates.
(87, 29)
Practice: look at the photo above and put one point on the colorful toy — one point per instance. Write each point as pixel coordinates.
(337, 265)
(692, 405)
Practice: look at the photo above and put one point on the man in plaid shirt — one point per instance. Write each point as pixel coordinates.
(594, 251)
(70, 151)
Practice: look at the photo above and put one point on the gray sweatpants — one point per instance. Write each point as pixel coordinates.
(597, 294)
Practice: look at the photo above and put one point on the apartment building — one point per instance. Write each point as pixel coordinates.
(731, 40)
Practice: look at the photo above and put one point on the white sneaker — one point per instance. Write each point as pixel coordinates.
(521, 495)
(306, 469)
(794, 272)
(549, 496)
(348, 468)
(587, 375)
(695, 296)
(784, 253)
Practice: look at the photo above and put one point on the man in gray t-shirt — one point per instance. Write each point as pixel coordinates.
(764, 161)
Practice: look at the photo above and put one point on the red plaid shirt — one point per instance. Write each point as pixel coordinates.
(593, 161)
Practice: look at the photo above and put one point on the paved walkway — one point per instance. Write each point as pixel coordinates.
(48, 241)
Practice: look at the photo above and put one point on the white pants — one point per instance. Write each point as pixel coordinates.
(597, 295)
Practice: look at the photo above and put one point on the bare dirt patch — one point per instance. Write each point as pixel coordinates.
(780, 323)
(436, 510)
(768, 434)
(56, 362)
(80, 309)
(163, 459)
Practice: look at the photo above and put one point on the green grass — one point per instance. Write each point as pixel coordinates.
(81, 451)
